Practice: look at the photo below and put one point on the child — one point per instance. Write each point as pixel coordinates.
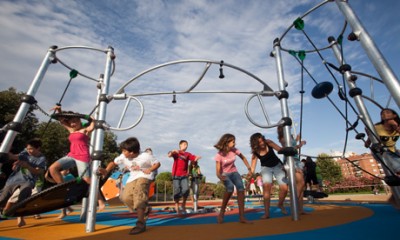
(67, 176)
(142, 166)
(27, 166)
(195, 179)
(271, 165)
(299, 174)
(388, 130)
(180, 174)
(79, 154)
(228, 174)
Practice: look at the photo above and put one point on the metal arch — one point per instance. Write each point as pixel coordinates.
(118, 128)
(121, 94)
(246, 110)
(303, 16)
(208, 64)
(81, 47)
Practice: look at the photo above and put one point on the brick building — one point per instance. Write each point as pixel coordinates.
(364, 161)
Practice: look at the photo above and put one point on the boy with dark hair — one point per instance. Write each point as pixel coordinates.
(180, 174)
(28, 165)
(142, 167)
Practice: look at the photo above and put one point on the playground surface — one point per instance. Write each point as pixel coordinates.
(363, 216)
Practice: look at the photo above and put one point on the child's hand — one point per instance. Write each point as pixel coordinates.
(221, 177)
(56, 108)
(102, 172)
(147, 171)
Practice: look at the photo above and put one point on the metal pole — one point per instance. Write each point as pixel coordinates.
(24, 107)
(98, 148)
(294, 203)
(375, 56)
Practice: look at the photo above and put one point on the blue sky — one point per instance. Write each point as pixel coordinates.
(145, 34)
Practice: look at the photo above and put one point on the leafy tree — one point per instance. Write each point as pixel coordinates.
(330, 170)
(54, 138)
(219, 190)
(10, 102)
(110, 147)
(164, 183)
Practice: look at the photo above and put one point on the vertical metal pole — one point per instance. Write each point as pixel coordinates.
(375, 56)
(98, 148)
(365, 117)
(294, 203)
(24, 107)
(165, 191)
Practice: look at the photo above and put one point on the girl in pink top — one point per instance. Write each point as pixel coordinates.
(79, 154)
(228, 174)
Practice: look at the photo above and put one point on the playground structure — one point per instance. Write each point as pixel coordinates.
(322, 90)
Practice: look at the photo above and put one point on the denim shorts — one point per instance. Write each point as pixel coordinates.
(393, 160)
(181, 187)
(277, 171)
(232, 180)
(69, 162)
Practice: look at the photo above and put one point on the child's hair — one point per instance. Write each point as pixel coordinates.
(131, 144)
(183, 141)
(35, 142)
(397, 118)
(254, 142)
(222, 144)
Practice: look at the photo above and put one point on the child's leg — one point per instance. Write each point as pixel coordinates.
(283, 190)
(63, 213)
(267, 199)
(225, 200)
(240, 197)
(185, 192)
(177, 193)
(21, 222)
(140, 203)
(55, 172)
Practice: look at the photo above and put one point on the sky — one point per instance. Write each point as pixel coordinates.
(145, 34)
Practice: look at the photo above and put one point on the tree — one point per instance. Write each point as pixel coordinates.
(10, 102)
(330, 170)
(164, 182)
(54, 138)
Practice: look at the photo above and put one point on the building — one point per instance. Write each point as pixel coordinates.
(364, 161)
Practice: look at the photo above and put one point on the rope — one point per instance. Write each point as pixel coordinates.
(73, 74)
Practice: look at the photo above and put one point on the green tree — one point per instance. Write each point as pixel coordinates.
(219, 190)
(55, 144)
(110, 147)
(10, 102)
(330, 169)
(164, 183)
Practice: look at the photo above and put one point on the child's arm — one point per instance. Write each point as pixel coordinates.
(218, 169)
(272, 144)
(90, 128)
(107, 170)
(154, 167)
(245, 163)
(253, 163)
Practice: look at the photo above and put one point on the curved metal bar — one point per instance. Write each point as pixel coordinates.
(208, 65)
(367, 75)
(81, 74)
(246, 110)
(373, 101)
(86, 48)
(118, 128)
(122, 95)
(80, 47)
(304, 15)
(121, 89)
